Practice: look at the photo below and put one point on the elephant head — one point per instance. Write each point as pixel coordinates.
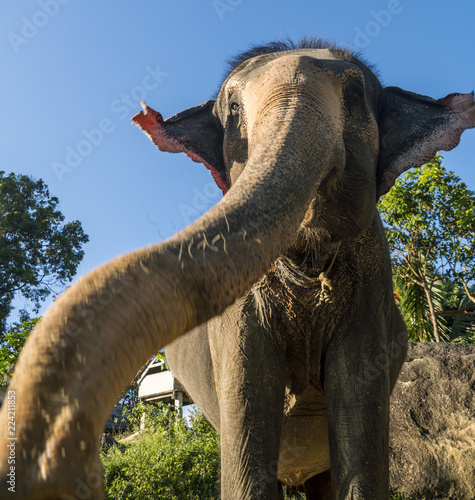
(302, 139)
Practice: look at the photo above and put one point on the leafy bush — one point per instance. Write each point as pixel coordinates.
(297, 496)
(169, 461)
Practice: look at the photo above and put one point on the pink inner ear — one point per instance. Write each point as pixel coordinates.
(153, 125)
(218, 178)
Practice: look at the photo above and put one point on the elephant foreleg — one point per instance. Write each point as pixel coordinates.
(357, 390)
(249, 368)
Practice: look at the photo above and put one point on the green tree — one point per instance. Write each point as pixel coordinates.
(129, 399)
(463, 326)
(39, 253)
(11, 346)
(417, 306)
(430, 219)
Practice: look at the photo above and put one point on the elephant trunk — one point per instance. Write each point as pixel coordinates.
(97, 335)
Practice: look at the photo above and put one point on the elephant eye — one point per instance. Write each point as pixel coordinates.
(357, 95)
(355, 99)
(235, 107)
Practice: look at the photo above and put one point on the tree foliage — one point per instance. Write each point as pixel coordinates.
(11, 346)
(170, 460)
(129, 399)
(430, 219)
(38, 251)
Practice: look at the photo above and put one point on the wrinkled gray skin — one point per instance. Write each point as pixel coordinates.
(290, 270)
(297, 381)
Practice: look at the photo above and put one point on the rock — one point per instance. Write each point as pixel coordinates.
(432, 429)
(130, 438)
(107, 441)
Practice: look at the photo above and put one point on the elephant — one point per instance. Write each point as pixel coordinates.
(285, 283)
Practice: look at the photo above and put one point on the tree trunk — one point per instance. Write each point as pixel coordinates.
(432, 312)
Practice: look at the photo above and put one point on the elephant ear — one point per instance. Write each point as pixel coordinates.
(414, 127)
(194, 131)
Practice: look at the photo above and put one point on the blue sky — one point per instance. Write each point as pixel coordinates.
(73, 73)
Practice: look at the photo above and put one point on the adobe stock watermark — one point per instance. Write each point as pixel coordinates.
(11, 441)
(201, 202)
(223, 6)
(123, 107)
(87, 312)
(380, 19)
(32, 26)
(381, 364)
(203, 199)
(84, 489)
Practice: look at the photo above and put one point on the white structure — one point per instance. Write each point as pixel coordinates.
(157, 384)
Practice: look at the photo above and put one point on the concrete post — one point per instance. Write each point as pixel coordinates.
(178, 397)
(142, 422)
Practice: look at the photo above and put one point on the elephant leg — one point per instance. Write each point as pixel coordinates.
(319, 487)
(248, 363)
(189, 359)
(357, 389)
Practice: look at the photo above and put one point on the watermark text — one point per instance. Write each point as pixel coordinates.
(122, 107)
(31, 26)
(11, 441)
(379, 20)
